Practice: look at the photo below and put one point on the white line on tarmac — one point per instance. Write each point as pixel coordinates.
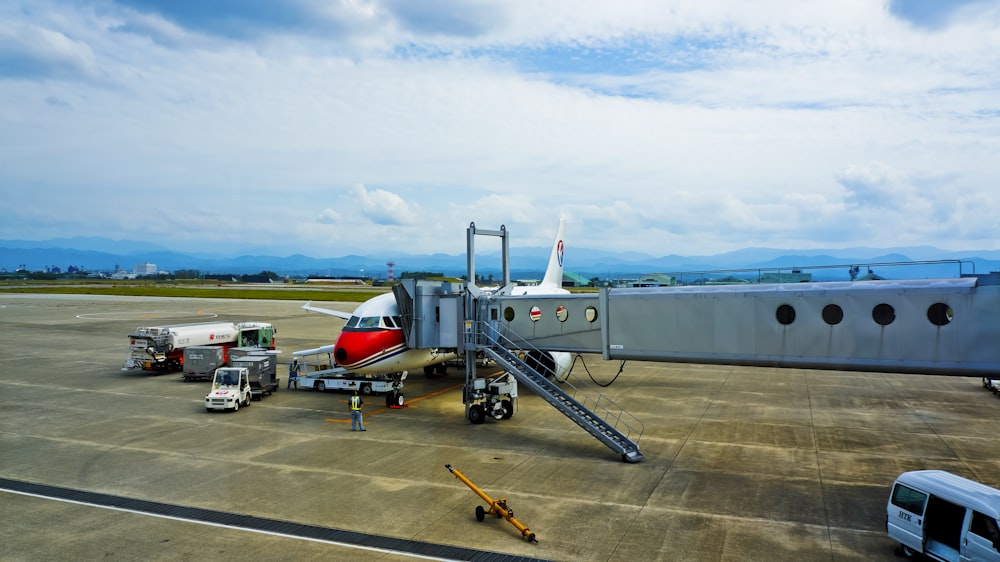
(236, 527)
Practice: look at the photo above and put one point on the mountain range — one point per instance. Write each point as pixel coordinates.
(104, 255)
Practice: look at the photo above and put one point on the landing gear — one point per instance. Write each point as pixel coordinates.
(394, 399)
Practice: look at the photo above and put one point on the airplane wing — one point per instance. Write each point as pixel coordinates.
(308, 306)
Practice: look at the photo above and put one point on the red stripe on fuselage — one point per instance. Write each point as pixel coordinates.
(355, 347)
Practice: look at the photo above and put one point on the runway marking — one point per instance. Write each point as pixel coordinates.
(253, 524)
(146, 315)
(380, 410)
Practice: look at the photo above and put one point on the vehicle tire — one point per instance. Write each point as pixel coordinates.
(429, 370)
(508, 409)
(236, 406)
(907, 551)
(480, 513)
(319, 386)
(441, 369)
(388, 398)
(398, 399)
(476, 414)
(986, 382)
(249, 399)
(366, 389)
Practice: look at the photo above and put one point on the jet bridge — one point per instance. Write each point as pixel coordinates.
(924, 326)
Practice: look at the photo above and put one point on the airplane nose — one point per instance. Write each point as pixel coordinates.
(340, 354)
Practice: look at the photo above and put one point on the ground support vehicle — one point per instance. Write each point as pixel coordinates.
(992, 384)
(161, 348)
(201, 361)
(493, 397)
(457, 363)
(261, 371)
(230, 389)
(319, 372)
(944, 517)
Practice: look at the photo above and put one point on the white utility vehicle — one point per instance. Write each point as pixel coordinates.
(944, 517)
(230, 389)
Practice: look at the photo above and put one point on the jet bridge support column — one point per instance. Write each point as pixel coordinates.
(476, 310)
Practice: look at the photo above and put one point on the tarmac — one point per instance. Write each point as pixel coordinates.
(741, 463)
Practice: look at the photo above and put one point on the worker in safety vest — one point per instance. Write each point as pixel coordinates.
(356, 404)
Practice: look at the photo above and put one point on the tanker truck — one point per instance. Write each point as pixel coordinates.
(161, 348)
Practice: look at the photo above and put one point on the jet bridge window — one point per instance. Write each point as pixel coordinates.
(883, 314)
(833, 314)
(785, 314)
(939, 314)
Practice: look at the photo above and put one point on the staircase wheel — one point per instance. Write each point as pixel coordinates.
(508, 409)
(477, 414)
(480, 513)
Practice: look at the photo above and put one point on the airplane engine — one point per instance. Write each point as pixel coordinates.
(550, 364)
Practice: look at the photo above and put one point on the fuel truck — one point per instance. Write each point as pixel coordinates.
(161, 348)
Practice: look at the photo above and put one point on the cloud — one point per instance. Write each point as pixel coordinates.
(35, 52)
(873, 185)
(329, 216)
(384, 207)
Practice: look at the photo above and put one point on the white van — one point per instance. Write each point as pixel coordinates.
(944, 516)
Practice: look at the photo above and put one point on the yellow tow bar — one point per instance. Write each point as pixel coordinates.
(497, 507)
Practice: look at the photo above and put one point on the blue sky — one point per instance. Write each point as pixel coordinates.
(327, 128)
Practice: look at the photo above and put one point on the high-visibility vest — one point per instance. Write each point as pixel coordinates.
(355, 402)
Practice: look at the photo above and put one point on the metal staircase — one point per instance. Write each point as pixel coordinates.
(588, 408)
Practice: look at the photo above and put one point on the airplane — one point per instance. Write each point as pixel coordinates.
(372, 341)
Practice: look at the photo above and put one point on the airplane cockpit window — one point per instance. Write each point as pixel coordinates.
(369, 322)
(387, 321)
(398, 320)
(353, 322)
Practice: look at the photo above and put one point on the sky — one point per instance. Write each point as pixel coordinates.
(329, 128)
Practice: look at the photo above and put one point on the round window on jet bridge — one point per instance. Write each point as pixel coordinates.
(940, 314)
(508, 314)
(884, 314)
(785, 314)
(833, 314)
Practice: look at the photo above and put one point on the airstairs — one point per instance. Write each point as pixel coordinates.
(595, 413)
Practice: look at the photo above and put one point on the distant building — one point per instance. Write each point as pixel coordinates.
(144, 269)
(654, 280)
(574, 280)
(795, 276)
(727, 280)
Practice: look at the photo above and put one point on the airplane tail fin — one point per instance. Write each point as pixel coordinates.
(554, 271)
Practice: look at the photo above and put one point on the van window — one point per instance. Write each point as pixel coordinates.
(984, 526)
(909, 499)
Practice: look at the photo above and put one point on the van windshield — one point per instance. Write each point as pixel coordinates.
(909, 499)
